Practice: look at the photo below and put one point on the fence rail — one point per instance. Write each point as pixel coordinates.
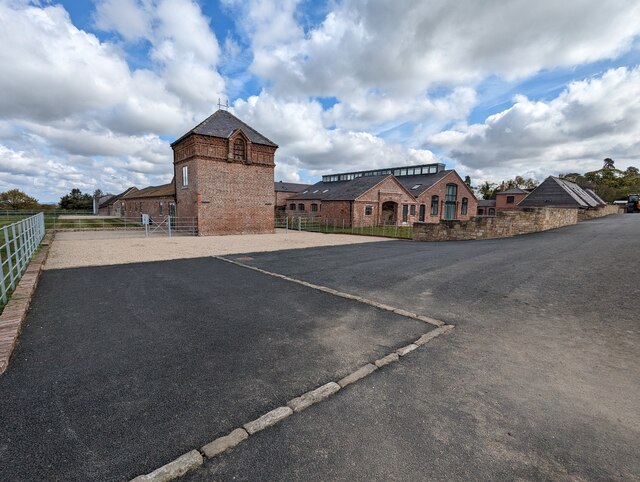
(18, 242)
(157, 225)
(320, 225)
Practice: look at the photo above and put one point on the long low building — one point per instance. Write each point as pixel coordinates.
(555, 192)
(391, 196)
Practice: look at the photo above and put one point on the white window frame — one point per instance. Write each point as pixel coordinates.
(185, 176)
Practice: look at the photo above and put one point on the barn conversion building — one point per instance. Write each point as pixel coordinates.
(284, 190)
(555, 192)
(390, 196)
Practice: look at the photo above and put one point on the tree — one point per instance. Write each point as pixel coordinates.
(487, 189)
(608, 163)
(16, 199)
(76, 201)
(467, 180)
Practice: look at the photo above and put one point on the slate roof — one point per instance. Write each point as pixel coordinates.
(104, 200)
(423, 181)
(601, 201)
(556, 192)
(224, 124)
(280, 186)
(165, 190)
(515, 190)
(486, 203)
(351, 190)
(340, 190)
(115, 198)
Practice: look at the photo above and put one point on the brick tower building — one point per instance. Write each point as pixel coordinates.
(224, 177)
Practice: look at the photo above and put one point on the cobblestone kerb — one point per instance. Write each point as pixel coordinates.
(15, 311)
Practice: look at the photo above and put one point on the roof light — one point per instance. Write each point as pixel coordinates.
(416, 186)
(305, 192)
(326, 190)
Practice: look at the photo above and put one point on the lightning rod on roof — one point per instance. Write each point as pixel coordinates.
(221, 105)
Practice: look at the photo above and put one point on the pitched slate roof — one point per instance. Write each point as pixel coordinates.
(601, 201)
(486, 203)
(515, 190)
(423, 181)
(115, 198)
(340, 190)
(556, 192)
(165, 190)
(280, 186)
(224, 124)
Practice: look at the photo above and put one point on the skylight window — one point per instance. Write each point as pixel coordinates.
(416, 186)
(305, 192)
(316, 191)
(326, 190)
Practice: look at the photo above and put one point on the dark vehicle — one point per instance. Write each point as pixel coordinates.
(633, 203)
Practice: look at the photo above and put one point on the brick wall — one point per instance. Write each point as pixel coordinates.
(439, 189)
(586, 214)
(503, 225)
(227, 195)
(501, 201)
(134, 208)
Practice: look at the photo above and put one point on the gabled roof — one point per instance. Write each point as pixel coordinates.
(115, 198)
(601, 201)
(515, 190)
(340, 190)
(165, 190)
(556, 192)
(421, 182)
(280, 186)
(223, 124)
(104, 200)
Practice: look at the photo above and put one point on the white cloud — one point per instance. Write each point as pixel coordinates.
(379, 58)
(73, 100)
(592, 119)
(297, 126)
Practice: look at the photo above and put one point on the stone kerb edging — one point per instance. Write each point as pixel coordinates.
(195, 458)
(15, 311)
(341, 294)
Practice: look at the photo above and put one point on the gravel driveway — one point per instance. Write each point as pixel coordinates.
(98, 248)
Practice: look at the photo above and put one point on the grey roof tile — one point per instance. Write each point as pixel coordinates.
(423, 181)
(280, 186)
(340, 190)
(223, 124)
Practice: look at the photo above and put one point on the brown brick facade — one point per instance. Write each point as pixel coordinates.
(503, 204)
(227, 195)
(156, 207)
(387, 203)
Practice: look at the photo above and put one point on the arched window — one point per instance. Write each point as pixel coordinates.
(239, 149)
(465, 206)
(435, 201)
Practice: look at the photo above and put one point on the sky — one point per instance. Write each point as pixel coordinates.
(92, 93)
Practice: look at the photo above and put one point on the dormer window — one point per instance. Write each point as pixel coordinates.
(239, 149)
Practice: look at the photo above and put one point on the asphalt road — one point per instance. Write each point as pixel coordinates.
(121, 369)
(540, 380)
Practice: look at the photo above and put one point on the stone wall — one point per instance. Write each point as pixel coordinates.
(586, 214)
(503, 225)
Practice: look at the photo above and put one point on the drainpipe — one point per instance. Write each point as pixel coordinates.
(351, 213)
